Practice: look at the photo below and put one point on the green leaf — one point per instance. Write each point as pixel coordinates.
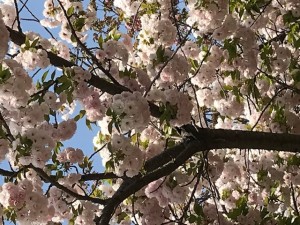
(192, 219)
(53, 75)
(59, 174)
(235, 75)
(236, 93)
(122, 216)
(168, 112)
(34, 43)
(80, 115)
(100, 41)
(109, 165)
(109, 112)
(151, 40)
(73, 38)
(63, 78)
(71, 221)
(62, 87)
(116, 36)
(135, 138)
(241, 208)
(253, 90)
(293, 160)
(88, 124)
(64, 84)
(110, 125)
(128, 73)
(266, 55)
(78, 24)
(160, 54)
(27, 43)
(54, 158)
(231, 46)
(198, 209)
(70, 96)
(288, 18)
(70, 11)
(47, 118)
(2, 133)
(296, 75)
(296, 220)
(57, 147)
(262, 174)
(225, 194)
(194, 63)
(44, 76)
(144, 144)
(296, 42)
(4, 75)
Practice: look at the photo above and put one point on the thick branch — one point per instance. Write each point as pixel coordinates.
(98, 176)
(202, 140)
(105, 86)
(219, 138)
(133, 185)
(8, 173)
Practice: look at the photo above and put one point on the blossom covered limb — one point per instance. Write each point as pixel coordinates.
(65, 189)
(134, 184)
(105, 86)
(205, 139)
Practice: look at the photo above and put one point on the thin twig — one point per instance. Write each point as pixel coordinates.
(199, 172)
(266, 107)
(17, 19)
(94, 153)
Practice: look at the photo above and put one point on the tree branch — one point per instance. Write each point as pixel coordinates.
(98, 176)
(134, 184)
(45, 176)
(203, 139)
(7, 173)
(100, 83)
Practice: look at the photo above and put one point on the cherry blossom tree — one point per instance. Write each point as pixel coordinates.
(196, 102)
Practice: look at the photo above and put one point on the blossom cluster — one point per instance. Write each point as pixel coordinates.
(9, 14)
(177, 102)
(132, 109)
(70, 155)
(54, 12)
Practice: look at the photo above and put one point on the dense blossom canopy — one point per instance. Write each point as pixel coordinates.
(196, 104)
